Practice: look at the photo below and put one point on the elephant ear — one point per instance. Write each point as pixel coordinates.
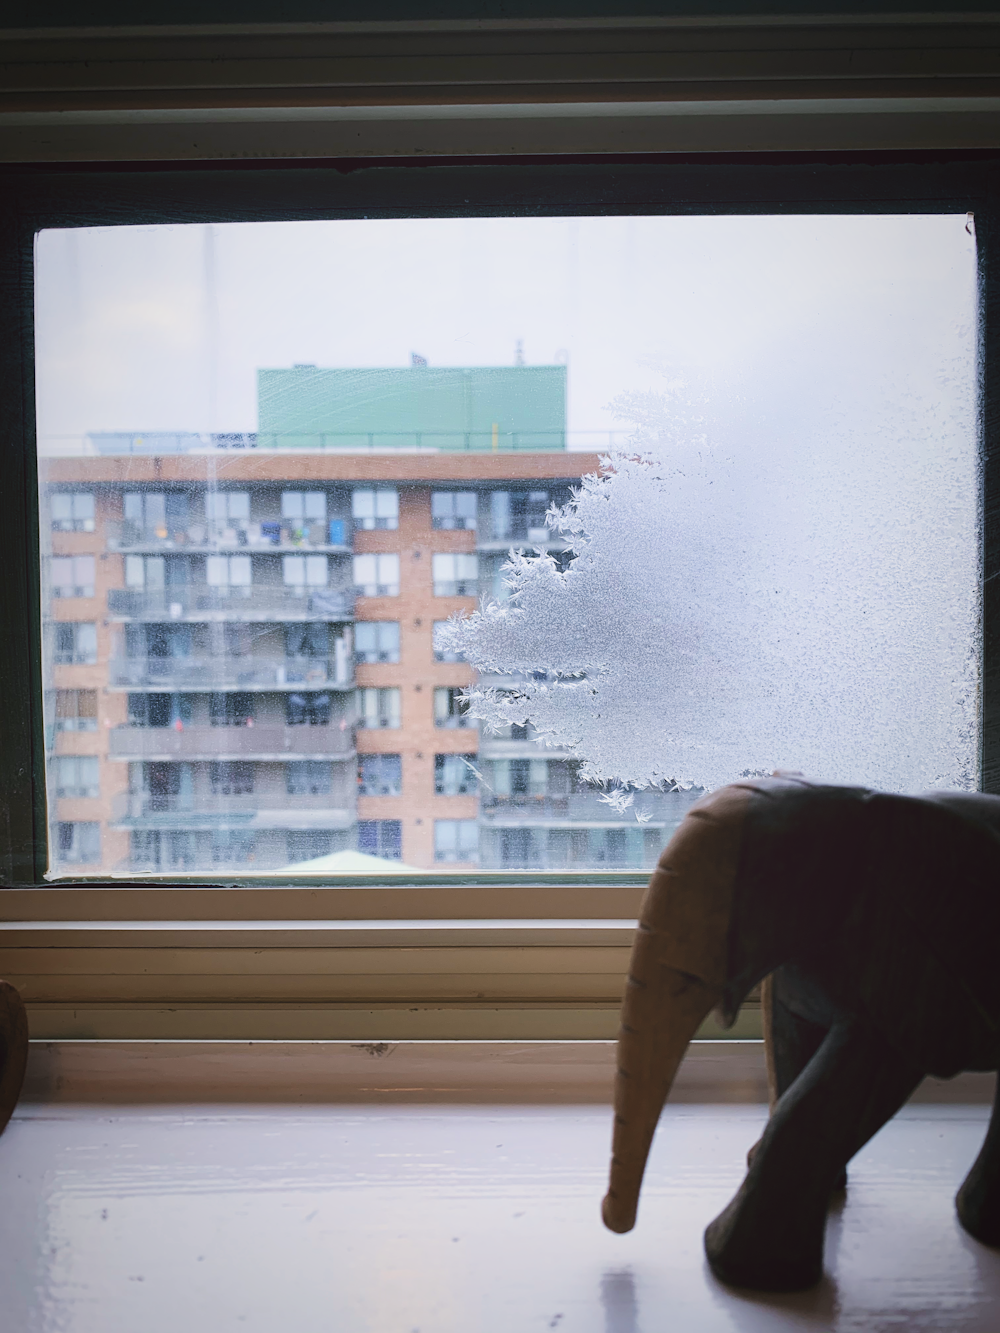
(922, 939)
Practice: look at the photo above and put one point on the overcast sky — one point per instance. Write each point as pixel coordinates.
(163, 328)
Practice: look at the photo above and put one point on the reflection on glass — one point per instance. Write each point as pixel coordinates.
(246, 557)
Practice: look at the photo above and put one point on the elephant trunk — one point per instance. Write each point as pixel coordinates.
(676, 977)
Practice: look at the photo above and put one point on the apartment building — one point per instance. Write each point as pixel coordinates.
(241, 671)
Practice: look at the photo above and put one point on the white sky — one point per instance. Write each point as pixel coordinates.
(163, 328)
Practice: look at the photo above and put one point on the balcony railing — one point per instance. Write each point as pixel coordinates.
(252, 602)
(268, 534)
(222, 672)
(207, 810)
(256, 742)
(583, 808)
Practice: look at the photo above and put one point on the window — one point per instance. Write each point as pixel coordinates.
(381, 837)
(162, 851)
(308, 845)
(77, 775)
(230, 573)
(231, 777)
(456, 840)
(309, 640)
(78, 843)
(451, 709)
(380, 775)
(309, 505)
(307, 709)
(376, 509)
(231, 710)
(75, 643)
(455, 774)
(306, 571)
(376, 575)
(455, 575)
(233, 848)
(76, 710)
(72, 511)
(227, 510)
(378, 707)
(169, 710)
(519, 777)
(520, 515)
(73, 576)
(309, 777)
(156, 516)
(454, 509)
(376, 641)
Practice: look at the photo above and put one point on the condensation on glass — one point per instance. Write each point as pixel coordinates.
(277, 459)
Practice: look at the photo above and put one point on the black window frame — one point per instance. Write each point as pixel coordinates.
(33, 198)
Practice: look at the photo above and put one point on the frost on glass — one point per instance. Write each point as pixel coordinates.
(743, 601)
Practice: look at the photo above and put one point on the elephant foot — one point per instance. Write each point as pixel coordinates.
(743, 1258)
(978, 1208)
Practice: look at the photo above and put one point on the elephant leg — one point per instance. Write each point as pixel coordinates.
(771, 1235)
(978, 1201)
(13, 1050)
(790, 1042)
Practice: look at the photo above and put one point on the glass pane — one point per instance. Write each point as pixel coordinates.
(276, 459)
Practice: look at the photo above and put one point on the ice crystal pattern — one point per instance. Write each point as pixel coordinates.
(745, 599)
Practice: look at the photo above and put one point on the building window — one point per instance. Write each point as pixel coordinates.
(231, 777)
(160, 850)
(308, 777)
(378, 708)
(381, 837)
(376, 575)
(380, 775)
(72, 511)
(73, 576)
(227, 512)
(78, 843)
(308, 505)
(76, 710)
(455, 774)
(376, 509)
(376, 641)
(229, 574)
(306, 571)
(456, 840)
(440, 655)
(520, 515)
(231, 710)
(233, 847)
(453, 509)
(519, 777)
(154, 516)
(77, 775)
(307, 845)
(451, 709)
(76, 643)
(307, 709)
(455, 575)
(167, 710)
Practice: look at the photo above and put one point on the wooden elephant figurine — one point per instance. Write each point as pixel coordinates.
(878, 919)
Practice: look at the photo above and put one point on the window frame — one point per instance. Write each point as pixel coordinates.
(605, 903)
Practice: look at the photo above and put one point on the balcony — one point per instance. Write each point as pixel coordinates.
(273, 534)
(582, 809)
(215, 672)
(252, 603)
(205, 810)
(257, 742)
